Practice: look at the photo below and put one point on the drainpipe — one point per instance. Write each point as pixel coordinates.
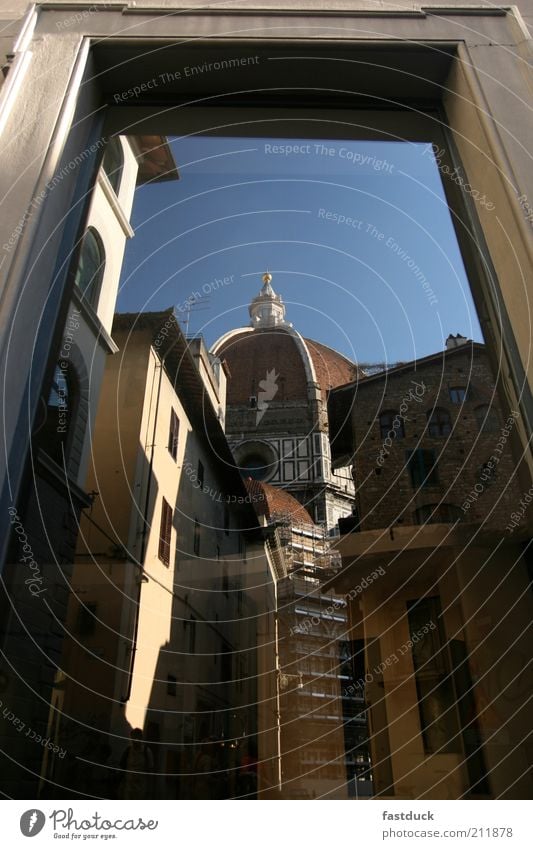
(278, 694)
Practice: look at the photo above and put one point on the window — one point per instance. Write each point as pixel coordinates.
(165, 532)
(171, 685)
(86, 624)
(192, 635)
(241, 673)
(432, 514)
(196, 539)
(457, 394)
(253, 402)
(439, 422)
(113, 163)
(436, 698)
(226, 663)
(173, 433)
(422, 468)
(390, 424)
(200, 474)
(487, 419)
(58, 414)
(91, 265)
(487, 472)
(256, 467)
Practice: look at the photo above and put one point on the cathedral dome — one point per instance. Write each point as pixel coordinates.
(276, 417)
(272, 350)
(275, 503)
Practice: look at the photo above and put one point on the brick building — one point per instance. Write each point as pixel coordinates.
(431, 442)
(445, 628)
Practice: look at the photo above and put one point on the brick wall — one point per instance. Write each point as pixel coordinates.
(385, 492)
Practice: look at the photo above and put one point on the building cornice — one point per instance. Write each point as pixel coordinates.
(304, 10)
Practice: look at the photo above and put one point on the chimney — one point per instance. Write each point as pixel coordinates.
(455, 341)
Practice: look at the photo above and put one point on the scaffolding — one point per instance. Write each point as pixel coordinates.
(307, 548)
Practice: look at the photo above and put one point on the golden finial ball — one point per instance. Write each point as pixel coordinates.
(267, 278)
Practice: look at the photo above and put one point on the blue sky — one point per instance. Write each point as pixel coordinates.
(342, 226)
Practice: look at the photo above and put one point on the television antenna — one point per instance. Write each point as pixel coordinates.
(193, 304)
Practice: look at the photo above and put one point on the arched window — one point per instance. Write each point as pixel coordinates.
(433, 514)
(57, 418)
(113, 163)
(439, 422)
(487, 418)
(91, 267)
(391, 424)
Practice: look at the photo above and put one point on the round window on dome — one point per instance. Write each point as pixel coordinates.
(256, 459)
(255, 467)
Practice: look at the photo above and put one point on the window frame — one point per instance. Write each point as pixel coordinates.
(173, 434)
(165, 532)
(431, 477)
(463, 389)
(90, 295)
(60, 448)
(491, 416)
(397, 432)
(114, 143)
(491, 287)
(439, 422)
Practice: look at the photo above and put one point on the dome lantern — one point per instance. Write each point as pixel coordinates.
(267, 308)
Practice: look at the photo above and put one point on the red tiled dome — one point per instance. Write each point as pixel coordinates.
(251, 355)
(332, 369)
(271, 502)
